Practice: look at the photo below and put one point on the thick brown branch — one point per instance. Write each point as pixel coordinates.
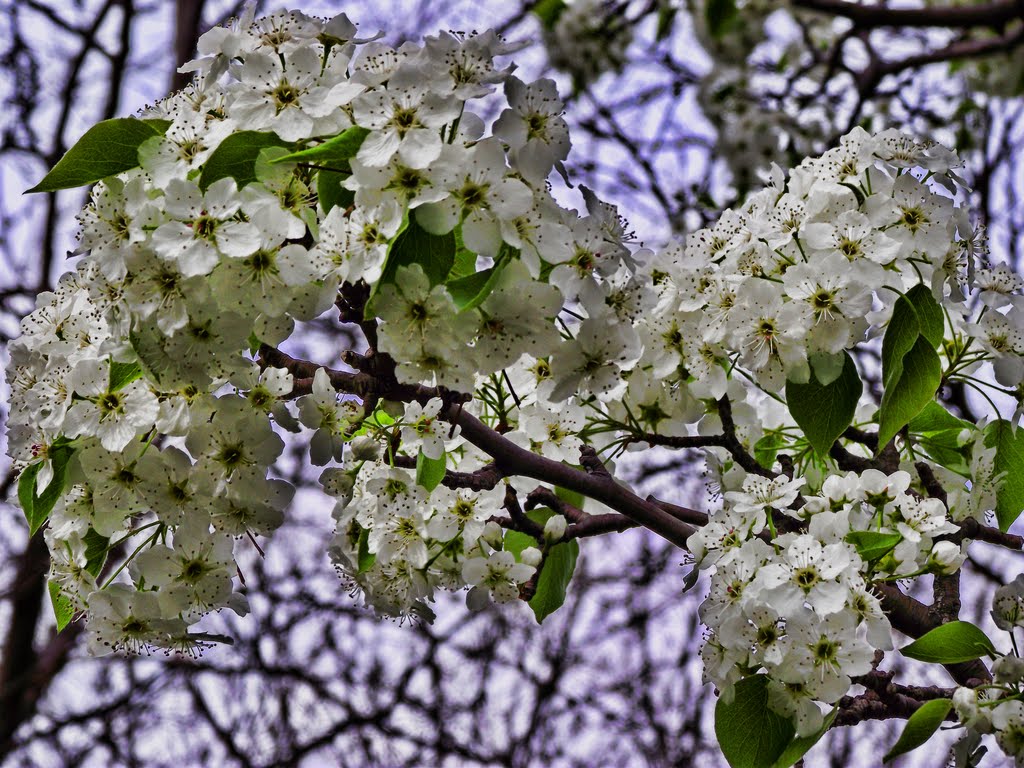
(992, 15)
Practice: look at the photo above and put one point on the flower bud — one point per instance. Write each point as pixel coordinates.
(554, 528)
(492, 534)
(530, 556)
(365, 448)
(945, 557)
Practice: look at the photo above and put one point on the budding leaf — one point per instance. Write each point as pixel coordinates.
(909, 389)
(109, 147)
(429, 472)
(749, 733)
(236, 157)
(824, 411)
(1009, 459)
(63, 608)
(950, 643)
(920, 727)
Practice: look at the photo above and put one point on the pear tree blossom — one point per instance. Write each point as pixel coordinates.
(509, 348)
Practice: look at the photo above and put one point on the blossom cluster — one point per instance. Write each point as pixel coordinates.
(306, 166)
(800, 606)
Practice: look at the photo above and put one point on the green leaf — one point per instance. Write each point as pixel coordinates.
(159, 125)
(63, 608)
(548, 11)
(799, 746)
(910, 390)
(574, 498)
(429, 472)
(824, 411)
(555, 575)
(827, 368)
(556, 570)
(95, 552)
(109, 147)
(900, 336)
(749, 733)
(335, 152)
(1009, 459)
(666, 17)
(331, 193)
(365, 557)
(37, 506)
(950, 644)
(768, 447)
(929, 314)
(872, 545)
(123, 374)
(236, 157)
(27, 495)
(414, 245)
(920, 727)
(934, 418)
(266, 170)
(470, 292)
(464, 263)
(721, 17)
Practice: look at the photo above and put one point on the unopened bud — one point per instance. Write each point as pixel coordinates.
(554, 528)
(530, 556)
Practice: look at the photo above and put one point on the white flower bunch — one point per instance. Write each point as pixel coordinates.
(307, 169)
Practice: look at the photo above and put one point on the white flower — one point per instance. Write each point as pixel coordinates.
(423, 429)
(497, 576)
(203, 226)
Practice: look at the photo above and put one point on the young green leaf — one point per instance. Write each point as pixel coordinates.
(721, 17)
(364, 556)
(63, 608)
(824, 412)
(800, 745)
(768, 447)
(37, 506)
(1009, 459)
(900, 336)
(95, 552)
(556, 570)
(548, 11)
(109, 147)
(333, 153)
(749, 733)
(470, 292)
(910, 388)
(429, 472)
(920, 727)
(931, 321)
(950, 644)
(27, 495)
(123, 374)
(330, 192)
(236, 157)
(872, 545)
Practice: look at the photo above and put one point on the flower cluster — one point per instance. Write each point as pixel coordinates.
(799, 605)
(306, 168)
